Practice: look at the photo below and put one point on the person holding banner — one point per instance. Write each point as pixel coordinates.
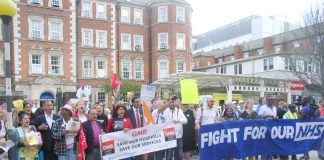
(291, 114)
(64, 132)
(175, 115)
(119, 120)
(305, 114)
(208, 114)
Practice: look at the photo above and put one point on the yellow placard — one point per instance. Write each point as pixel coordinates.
(222, 97)
(189, 91)
(18, 104)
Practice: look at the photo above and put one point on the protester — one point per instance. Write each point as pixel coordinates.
(101, 117)
(86, 106)
(241, 105)
(79, 114)
(320, 113)
(290, 114)
(32, 103)
(207, 114)
(175, 115)
(248, 111)
(188, 132)
(155, 104)
(3, 131)
(40, 110)
(44, 125)
(282, 109)
(228, 114)
(92, 129)
(65, 139)
(158, 116)
(233, 105)
(262, 102)
(73, 102)
(305, 114)
(28, 110)
(25, 150)
(119, 120)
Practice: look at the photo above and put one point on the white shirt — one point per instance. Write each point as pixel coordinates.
(49, 120)
(176, 114)
(209, 115)
(159, 118)
(69, 139)
(3, 129)
(267, 111)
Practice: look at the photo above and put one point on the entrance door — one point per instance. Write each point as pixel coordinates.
(45, 97)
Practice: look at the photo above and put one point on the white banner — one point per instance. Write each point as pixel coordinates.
(119, 145)
(147, 93)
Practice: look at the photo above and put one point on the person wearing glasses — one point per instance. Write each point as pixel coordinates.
(207, 114)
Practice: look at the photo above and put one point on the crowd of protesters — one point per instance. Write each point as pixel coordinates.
(59, 143)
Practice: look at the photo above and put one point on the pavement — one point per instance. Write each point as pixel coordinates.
(312, 154)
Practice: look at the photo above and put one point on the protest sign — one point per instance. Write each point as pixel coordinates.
(189, 91)
(119, 145)
(238, 139)
(147, 93)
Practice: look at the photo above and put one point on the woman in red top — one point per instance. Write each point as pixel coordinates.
(119, 120)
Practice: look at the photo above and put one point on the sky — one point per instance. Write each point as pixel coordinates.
(210, 14)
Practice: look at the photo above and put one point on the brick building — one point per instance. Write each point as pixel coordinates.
(65, 44)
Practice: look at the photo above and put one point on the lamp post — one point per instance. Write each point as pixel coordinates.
(7, 10)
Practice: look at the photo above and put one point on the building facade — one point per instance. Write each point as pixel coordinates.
(60, 45)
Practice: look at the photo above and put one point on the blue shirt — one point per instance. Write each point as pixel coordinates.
(305, 112)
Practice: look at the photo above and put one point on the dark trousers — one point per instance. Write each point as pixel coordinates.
(93, 154)
(50, 155)
(176, 152)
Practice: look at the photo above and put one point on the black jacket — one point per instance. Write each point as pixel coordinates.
(131, 115)
(48, 142)
(88, 132)
(103, 119)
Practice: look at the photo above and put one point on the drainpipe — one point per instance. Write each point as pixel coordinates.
(149, 21)
(77, 2)
(117, 37)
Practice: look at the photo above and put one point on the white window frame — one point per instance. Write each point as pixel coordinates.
(85, 42)
(245, 54)
(60, 65)
(238, 69)
(99, 98)
(30, 28)
(231, 58)
(140, 45)
(161, 73)
(83, 9)
(183, 66)
(104, 70)
(266, 64)
(90, 70)
(296, 44)
(40, 2)
(125, 18)
(124, 45)
(277, 49)
(141, 63)
(41, 65)
(181, 12)
(51, 4)
(104, 45)
(179, 47)
(260, 51)
(163, 17)
(60, 29)
(123, 64)
(98, 14)
(223, 69)
(2, 63)
(166, 41)
(138, 20)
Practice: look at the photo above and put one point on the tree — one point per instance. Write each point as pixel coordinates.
(304, 49)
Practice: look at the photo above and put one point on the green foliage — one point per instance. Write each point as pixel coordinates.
(130, 86)
(107, 86)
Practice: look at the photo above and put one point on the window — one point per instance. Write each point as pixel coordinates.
(223, 69)
(180, 14)
(1, 38)
(101, 11)
(260, 51)
(125, 15)
(101, 39)
(138, 17)
(55, 3)
(1, 63)
(246, 54)
(55, 29)
(35, 2)
(37, 66)
(86, 9)
(36, 29)
(87, 68)
(296, 44)
(87, 40)
(180, 67)
(268, 64)
(101, 97)
(163, 68)
(231, 58)
(138, 71)
(163, 40)
(220, 60)
(277, 49)
(308, 66)
(290, 64)
(163, 14)
(125, 42)
(55, 65)
(181, 41)
(126, 70)
(101, 69)
(138, 43)
(238, 69)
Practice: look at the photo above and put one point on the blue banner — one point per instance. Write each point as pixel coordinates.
(244, 138)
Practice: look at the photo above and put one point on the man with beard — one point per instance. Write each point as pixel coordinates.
(43, 124)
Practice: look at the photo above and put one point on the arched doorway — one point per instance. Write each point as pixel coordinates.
(45, 96)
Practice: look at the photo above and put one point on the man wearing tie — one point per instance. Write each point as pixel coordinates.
(135, 114)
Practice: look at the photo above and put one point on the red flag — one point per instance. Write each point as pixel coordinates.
(82, 144)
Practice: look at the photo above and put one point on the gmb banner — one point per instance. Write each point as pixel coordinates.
(119, 145)
(243, 138)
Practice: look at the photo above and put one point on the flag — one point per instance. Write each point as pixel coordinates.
(82, 144)
(148, 118)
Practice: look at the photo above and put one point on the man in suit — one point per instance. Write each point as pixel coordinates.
(43, 124)
(92, 129)
(135, 114)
